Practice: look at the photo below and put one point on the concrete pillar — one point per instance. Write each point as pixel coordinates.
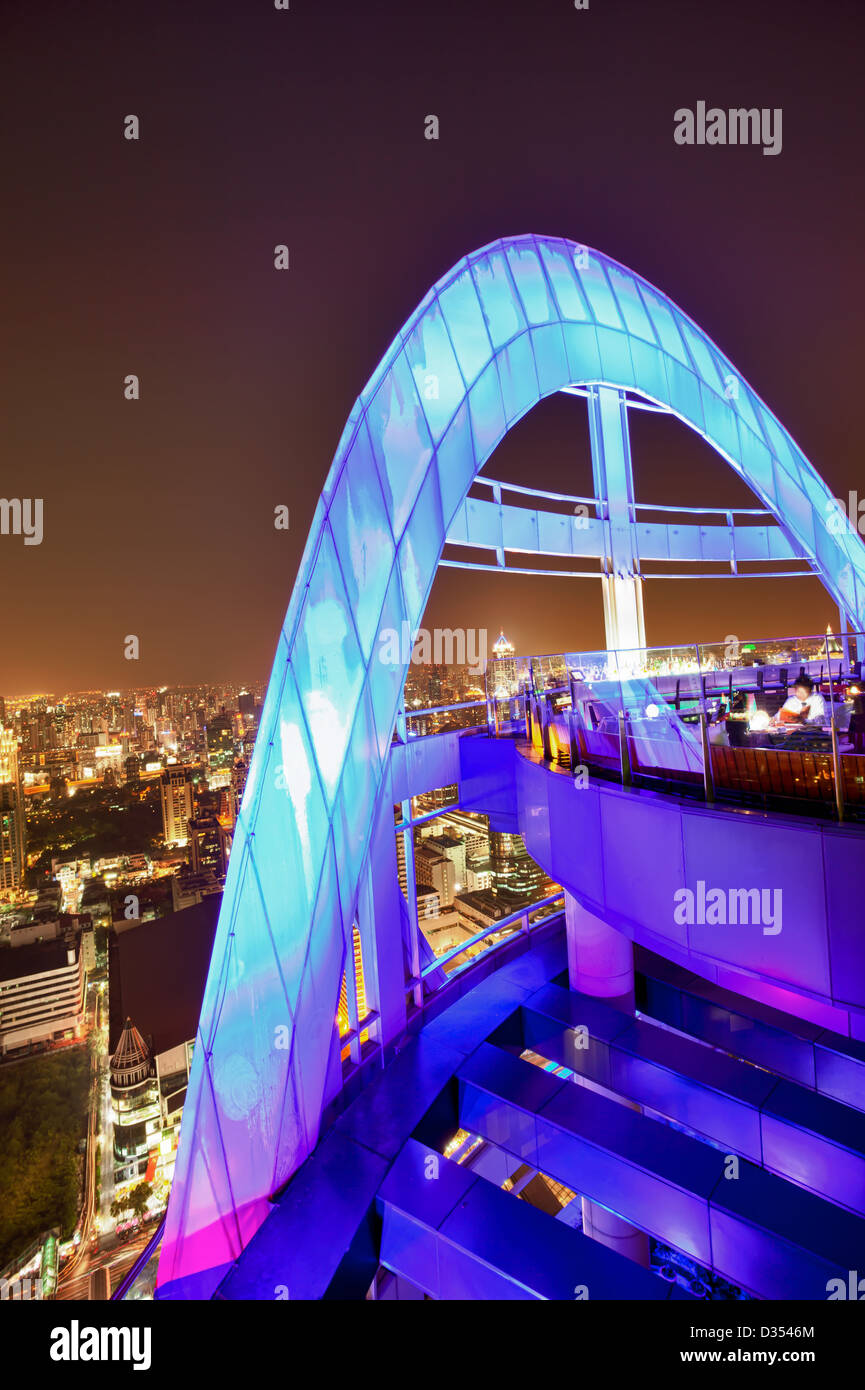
(600, 959)
(601, 963)
(601, 1225)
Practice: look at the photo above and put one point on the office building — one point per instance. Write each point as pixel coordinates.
(42, 988)
(176, 797)
(13, 827)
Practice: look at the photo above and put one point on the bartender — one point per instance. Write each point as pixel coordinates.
(805, 706)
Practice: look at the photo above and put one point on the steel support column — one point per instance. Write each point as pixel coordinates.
(614, 482)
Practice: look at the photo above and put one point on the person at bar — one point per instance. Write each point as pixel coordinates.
(856, 727)
(805, 706)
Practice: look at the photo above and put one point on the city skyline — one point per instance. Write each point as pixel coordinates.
(432, 673)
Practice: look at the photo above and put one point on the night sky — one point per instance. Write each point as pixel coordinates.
(261, 127)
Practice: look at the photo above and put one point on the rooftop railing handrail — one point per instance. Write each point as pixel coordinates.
(508, 921)
(635, 506)
(411, 713)
(818, 637)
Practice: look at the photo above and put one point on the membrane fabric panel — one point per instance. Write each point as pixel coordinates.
(504, 328)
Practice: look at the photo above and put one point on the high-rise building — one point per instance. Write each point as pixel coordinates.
(176, 794)
(12, 816)
(513, 868)
(434, 870)
(43, 984)
(454, 849)
(8, 755)
(210, 843)
(135, 1105)
(220, 744)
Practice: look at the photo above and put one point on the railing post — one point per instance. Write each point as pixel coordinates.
(545, 729)
(836, 754)
(624, 751)
(837, 771)
(573, 741)
(708, 778)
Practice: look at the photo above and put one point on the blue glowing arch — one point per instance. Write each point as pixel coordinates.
(504, 328)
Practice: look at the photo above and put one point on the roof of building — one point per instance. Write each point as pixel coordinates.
(131, 1050)
(446, 840)
(157, 973)
(16, 962)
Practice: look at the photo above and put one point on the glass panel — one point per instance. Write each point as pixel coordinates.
(616, 357)
(438, 379)
(518, 378)
(530, 282)
(585, 724)
(770, 713)
(559, 263)
(401, 441)
(597, 290)
(487, 413)
(704, 359)
(631, 305)
(507, 684)
(662, 701)
(465, 320)
(665, 325)
(551, 361)
(363, 539)
(500, 304)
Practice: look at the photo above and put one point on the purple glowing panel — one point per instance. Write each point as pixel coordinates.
(777, 1241)
(840, 1064)
(652, 1176)
(817, 1142)
(507, 326)
(713, 1095)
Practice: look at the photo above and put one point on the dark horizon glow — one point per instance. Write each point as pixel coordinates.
(156, 258)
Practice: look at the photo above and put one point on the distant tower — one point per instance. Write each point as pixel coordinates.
(220, 751)
(12, 815)
(176, 792)
(135, 1103)
(210, 842)
(505, 670)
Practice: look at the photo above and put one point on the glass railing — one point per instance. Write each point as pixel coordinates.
(442, 719)
(777, 722)
(449, 963)
(507, 681)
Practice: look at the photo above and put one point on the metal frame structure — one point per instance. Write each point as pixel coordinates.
(314, 853)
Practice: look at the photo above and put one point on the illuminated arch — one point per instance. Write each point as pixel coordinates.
(507, 326)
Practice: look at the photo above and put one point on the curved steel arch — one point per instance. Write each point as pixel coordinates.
(507, 326)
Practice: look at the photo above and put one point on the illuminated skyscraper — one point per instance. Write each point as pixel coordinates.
(512, 866)
(8, 756)
(505, 668)
(210, 843)
(220, 743)
(219, 738)
(176, 794)
(12, 815)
